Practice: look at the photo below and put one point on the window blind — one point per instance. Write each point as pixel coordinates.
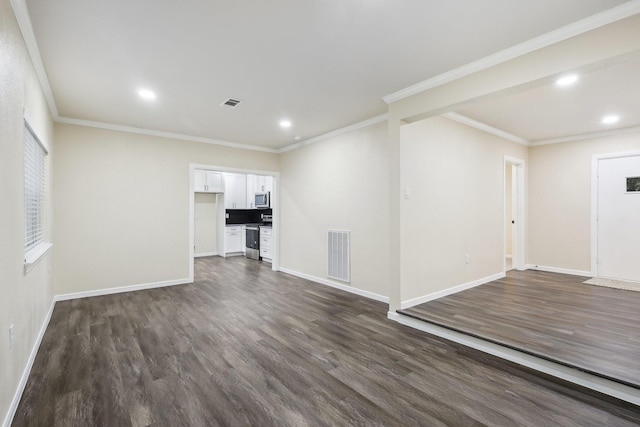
(34, 189)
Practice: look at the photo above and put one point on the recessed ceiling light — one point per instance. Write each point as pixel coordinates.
(285, 124)
(147, 94)
(607, 120)
(567, 80)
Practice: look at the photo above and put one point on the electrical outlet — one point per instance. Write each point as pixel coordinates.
(11, 336)
(466, 259)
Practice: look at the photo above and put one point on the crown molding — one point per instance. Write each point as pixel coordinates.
(486, 128)
(579, 27)
(337, 132)
(21, 13)
(162, 134)
(495, 131)
(584, 136)
(24, 23)
(622, 11)
(171, 135)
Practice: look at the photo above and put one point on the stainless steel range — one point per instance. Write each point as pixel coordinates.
(253, 241)
(253, 236)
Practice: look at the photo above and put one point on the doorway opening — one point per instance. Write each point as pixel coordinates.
(211, 208)
(513, 214)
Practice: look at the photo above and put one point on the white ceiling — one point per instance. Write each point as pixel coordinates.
(322, 64)
(548, 113)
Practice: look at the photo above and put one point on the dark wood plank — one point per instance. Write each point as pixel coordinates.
(245, 346)
(550, 315)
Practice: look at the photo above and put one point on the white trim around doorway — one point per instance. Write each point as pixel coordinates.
(275, 206)
(518, 252)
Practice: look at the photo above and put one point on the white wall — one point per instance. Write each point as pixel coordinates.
(205, 223)
(601, 44)
(455, 178)
(25, 299)
(560, 199)
(340, 183)
(122, 205)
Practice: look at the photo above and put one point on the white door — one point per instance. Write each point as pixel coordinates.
(618, 224)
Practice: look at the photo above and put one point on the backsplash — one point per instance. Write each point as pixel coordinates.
(245, 216)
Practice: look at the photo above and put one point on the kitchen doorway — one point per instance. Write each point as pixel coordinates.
(217, 186)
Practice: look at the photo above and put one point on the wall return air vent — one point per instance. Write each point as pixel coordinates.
(338, 256)
(230, 103)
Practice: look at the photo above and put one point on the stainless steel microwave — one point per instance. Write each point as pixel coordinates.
(262, 200)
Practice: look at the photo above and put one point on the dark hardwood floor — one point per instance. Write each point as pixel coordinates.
(244, 346)
(550, 315)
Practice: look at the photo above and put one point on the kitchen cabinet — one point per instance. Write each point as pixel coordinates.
(251, 191)
(233, 239)
(207, 181)
(264, 184)
(235, 191)
(266, 238)
(268, 184)
(257, 184)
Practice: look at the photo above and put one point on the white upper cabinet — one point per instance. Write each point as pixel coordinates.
(251, 191)
(235, 191)
(207, 182)
(199, 180)
(264, 184)
(214, 182)
(239, 189)
(257, 184)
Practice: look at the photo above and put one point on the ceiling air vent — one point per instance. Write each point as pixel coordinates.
(230, 103)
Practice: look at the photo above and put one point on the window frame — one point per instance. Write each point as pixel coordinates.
(37, 251)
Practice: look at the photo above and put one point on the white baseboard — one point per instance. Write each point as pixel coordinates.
(108, 291)
(205, 254)
(27, 369)
(392, 315)
(336, 285)
(602, 385)
(558, 270)
(443, 293)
